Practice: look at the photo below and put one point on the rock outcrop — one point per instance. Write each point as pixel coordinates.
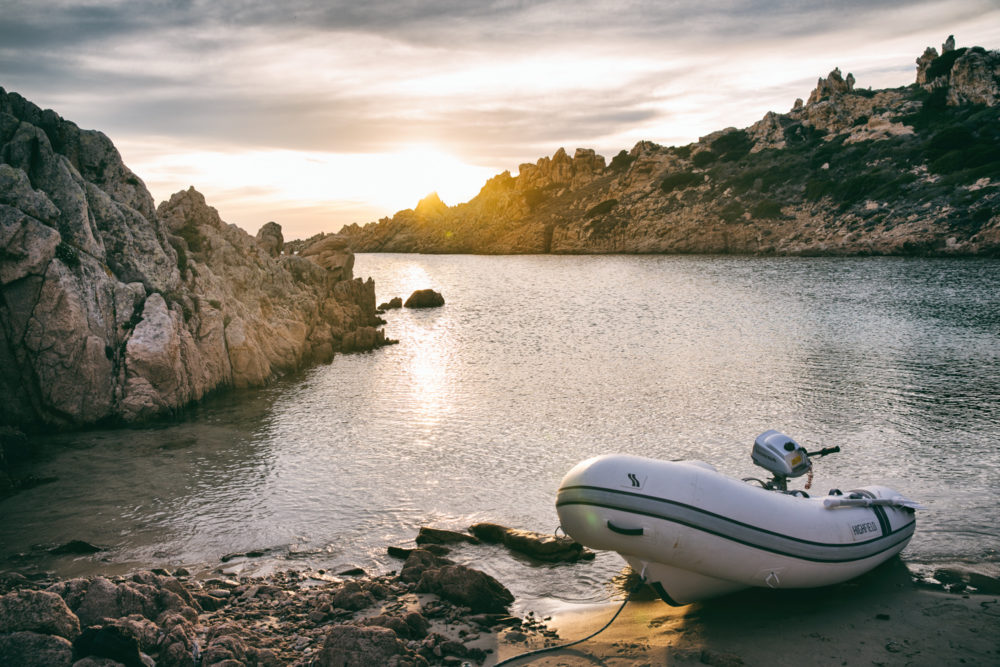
(112, 309)
(269, 238)
(913, 170)
(424, 298)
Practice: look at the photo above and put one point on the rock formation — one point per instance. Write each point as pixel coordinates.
(834, 84)
(112, 309)
(424, 298)
(270, 239)
(913, 170)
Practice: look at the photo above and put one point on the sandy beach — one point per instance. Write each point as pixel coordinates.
(883, 618)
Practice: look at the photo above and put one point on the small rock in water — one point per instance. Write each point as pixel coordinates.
(439, 536)
(392, 304)
(77, 547)
(425, 298)
(353, 572)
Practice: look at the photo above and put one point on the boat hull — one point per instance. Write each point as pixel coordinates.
(695, 533)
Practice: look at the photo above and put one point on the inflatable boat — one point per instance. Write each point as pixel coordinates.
(694, 533)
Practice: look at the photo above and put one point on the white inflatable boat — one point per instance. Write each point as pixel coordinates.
(694, 533)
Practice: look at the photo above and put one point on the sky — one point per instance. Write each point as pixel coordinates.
(320, 113)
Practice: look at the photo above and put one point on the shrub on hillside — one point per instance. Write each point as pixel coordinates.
(766, 209)
(680, 181)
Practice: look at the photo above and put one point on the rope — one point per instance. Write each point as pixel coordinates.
(560, 647)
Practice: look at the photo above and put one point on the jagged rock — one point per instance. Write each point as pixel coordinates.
(111, 309)
(834, 84)
(41, 612)
(929, 55)
(424, 298)
(550, 548)
(270, 239)
(975, 78)
(561, 169)
(392, 304)
(949, 45)
(768, 132)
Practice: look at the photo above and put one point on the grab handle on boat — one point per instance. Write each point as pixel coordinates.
(624, 531)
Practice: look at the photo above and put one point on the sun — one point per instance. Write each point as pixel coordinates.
(319, 190)
(417, 170)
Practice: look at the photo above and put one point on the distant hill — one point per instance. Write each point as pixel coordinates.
(905, 171)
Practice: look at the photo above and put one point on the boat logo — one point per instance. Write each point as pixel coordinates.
(634, 481)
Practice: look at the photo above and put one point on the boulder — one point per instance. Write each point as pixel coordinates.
(269, 238)
(391, 304)
(30, 649)
(466, 587)
(39, 612)
(353, 646)
(549, 548)
(424, 298)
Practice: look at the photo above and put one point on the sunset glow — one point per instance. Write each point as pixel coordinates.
(317, 115)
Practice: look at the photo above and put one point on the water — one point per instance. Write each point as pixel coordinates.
(534, 364)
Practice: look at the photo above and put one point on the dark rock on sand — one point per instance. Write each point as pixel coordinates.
(353, 646)
(467, 587)
(424, 298)
(549, 548)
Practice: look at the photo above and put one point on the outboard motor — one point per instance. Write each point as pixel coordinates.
(782, 457)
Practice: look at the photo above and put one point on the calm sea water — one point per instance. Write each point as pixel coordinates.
(534, 364)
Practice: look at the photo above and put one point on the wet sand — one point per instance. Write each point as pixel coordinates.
(884, 618)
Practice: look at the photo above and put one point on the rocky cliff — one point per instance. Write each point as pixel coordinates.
(914, 170)
(114, 310)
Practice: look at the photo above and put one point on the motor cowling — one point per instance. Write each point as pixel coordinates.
(783, 457)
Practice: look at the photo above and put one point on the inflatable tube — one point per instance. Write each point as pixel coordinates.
(696, 533)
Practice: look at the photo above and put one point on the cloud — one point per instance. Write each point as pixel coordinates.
(493, 82)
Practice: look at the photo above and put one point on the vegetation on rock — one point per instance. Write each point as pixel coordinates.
(855, 171)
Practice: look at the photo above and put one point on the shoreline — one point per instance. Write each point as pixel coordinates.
(890, 616)
(885, 617)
